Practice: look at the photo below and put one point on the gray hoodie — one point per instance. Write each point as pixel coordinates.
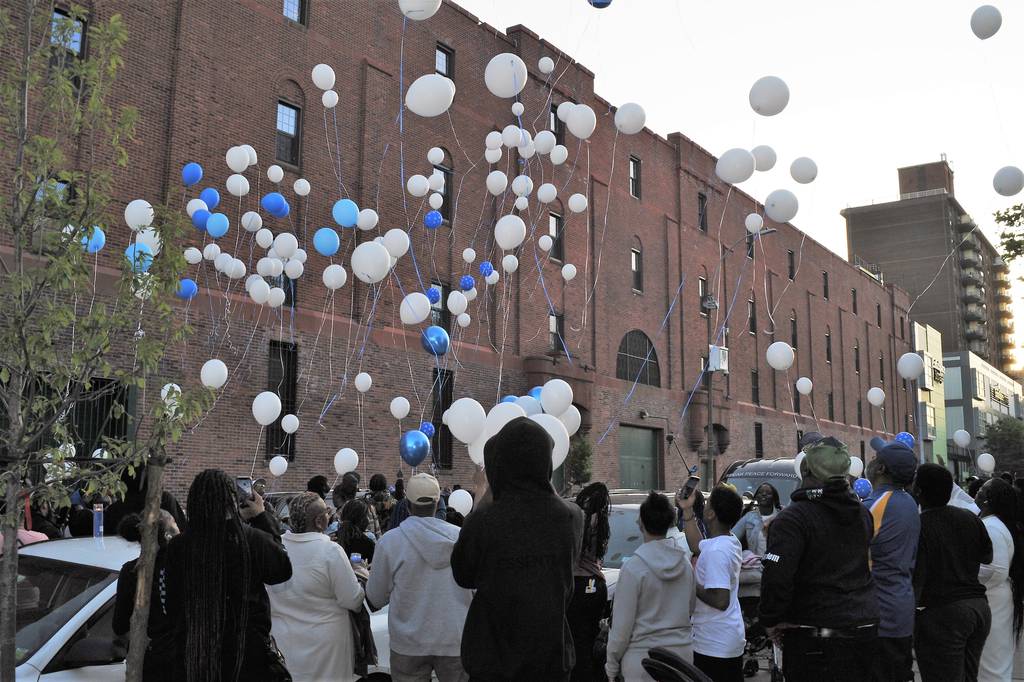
(412, 571)
(654, 598)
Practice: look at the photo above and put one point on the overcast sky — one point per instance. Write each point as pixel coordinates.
(875, 85)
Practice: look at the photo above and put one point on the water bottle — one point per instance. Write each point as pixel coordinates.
(97, 520)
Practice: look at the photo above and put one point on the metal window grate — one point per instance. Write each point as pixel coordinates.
(442, 390)
(93, 416)
(637, 360)
(758, 440)
(702, 211)
(282, 379)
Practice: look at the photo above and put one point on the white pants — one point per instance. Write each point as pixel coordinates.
(633, 669)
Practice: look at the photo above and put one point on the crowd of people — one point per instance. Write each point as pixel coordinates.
(846, 589)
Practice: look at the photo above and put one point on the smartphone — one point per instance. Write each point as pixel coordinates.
(691, 485)
(243, 485)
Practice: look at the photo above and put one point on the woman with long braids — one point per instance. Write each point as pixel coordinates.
(590, 593)
(355, 520)
(1003, 579)
(218, 568)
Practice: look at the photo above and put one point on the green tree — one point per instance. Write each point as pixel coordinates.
(578, 464)
(1012, 237)
(1005, 441)
(75, 328)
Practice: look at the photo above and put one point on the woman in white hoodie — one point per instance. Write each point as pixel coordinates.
(310, 612)
(654, 597)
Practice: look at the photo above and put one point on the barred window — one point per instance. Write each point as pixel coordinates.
(282, 379)
(638, 360)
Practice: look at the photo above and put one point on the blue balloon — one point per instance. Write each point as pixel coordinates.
(435, 340)
(486, 268)
(275, 204)
(466, 283)
(535, 392)
(95, 240)
(140, 257)
(191, 173)
(509, 399)
(428, 429)
(345, 212)
(599, 4)
(434, 295)
(187, 289)
(862, 487)
(414, 447)
(217, 225)
(432, 220)
(199, 218)
(211, 197)
(905, 438)
(326, 241)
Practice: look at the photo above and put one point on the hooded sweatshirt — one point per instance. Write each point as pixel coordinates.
(518, 553)
(654, 598)
(412, 571)
(816, 565)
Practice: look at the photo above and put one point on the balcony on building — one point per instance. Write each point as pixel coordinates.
(972, 276)
(974, 313)
(976, 331)
(1005, 327)
(966, 224)
(977, 347)
(1006, 357)
(969, 243)
(970, 260)
(1003, 297)
(1000, 266)
(1005, 312)
(973, 294)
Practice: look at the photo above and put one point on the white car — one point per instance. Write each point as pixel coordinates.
(65, 598)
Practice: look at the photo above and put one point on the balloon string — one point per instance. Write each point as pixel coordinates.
(256, 452)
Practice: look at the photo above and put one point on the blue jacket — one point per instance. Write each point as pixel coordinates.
(893, 551)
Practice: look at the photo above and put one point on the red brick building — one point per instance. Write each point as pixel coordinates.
(209, 75)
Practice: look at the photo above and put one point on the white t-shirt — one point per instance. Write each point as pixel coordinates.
(719, 633)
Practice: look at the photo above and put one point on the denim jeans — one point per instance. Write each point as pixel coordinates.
(837, 659)
(419, 668)
(948, 640)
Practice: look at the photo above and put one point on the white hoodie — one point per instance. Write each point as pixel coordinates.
(654, 598)
(412, 570)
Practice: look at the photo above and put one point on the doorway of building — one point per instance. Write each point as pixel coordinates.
(639, 451)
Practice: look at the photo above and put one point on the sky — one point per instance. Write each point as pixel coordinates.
(874, 86)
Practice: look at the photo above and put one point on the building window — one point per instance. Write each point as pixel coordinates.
(862, 451)
(860, 413)
(439, 315)
(796, 402)
(556, 125)
(286, 284)
(878, 314)
(638, 360)
(702, 292)
(441, 442)
(793, 331)
(289, 125)
(704, 373)
(636, 264)
(856, 357)
(902, 330)
(103, 410)
(750, 245)
(904, 382)
(853, 300)
(791, 262)
(929, 416)
(758, 440)
(881, 367)
(751, 316)
(799, 440)
(555, 232)
(755, 388)
(444, 63)
(702, 211)
(67, 32)
(282, 376)
(634, 176)
(824, 285)
(831, 407)
(446, 191)
(295, 10)
(556, 331)
(828, 345)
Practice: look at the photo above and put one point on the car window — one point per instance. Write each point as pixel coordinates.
(785, 486)
(625, 537)
(49, 593)
(94, 644)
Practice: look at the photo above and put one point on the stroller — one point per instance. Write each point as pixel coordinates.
(665, 666)
(758, 648)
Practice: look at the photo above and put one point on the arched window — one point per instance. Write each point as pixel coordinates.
(637, 359)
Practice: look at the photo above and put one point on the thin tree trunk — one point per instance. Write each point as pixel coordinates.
(138, 639)
(8, 580)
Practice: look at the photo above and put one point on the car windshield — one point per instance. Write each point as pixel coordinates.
(625, 536)
(785, 486)
(49, 593)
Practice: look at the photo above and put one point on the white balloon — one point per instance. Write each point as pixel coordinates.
(468, 255)
(546, 65)
(568, 272)
(527, 151)
(367, 219)
(962, 438)
(399, 407)
(559, 435)
(418, 10)
(415, 308)
(471, 294)
(275, 174)
(511, 135)
(797, 461)
(545, 142)
(194, 205)
(301, 187)
(753, 222)
(461, 501)
(252, 279)
(252, 221)
(505, 75)
(417, 185)
(138, 214)
(780, 356)
(264, 238)
(492, 278)
(498, 416)
(430, 95)
(510, 263)
(1008, 181)
(276, 266)
(518, 109)
(521, 203)
(509, 232)
(769, 96)
(562, 111)
(910, 366)
(556, 396)
(371, 262)
(278, 465)
(276, 297)
(530, 405)
(856, 467)
(237, 185)
(329, 99)
(193, 256)
(289, 423)
(493, 140)
(323, 76)
(559, 155)
(457, 302)
(170, 393)
(214, 374)
(986, 463)
(236, 269)
(266, 408)
(803, 170)
(251, 151)
(463, 320)
(496, 182)
(334, 276)
(545, 242)
(781, 206)
(804, 386)
(578, 203)
(876, 396)
(582, 121)
(522, 185)
(435, 156)
(630, 118)
(300, 255)
(285, 244)
(259, 291)
(476, 450)
(294, 269)
(222, 261)
(363, 382)
(735, 166)
(466, 420)
(492, 155)
(237, 159)
(436, 201)
(211, 251)
(396, 241)
(764, 157)
(148, 237)
(345, 460)
(572, 419)
(985, 21)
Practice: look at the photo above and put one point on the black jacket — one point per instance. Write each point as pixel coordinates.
(816, 568)
(518, 553)
(161, 652)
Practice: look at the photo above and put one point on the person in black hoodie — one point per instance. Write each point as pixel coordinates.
(518, 552)
(217, 570)
(817, 594)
